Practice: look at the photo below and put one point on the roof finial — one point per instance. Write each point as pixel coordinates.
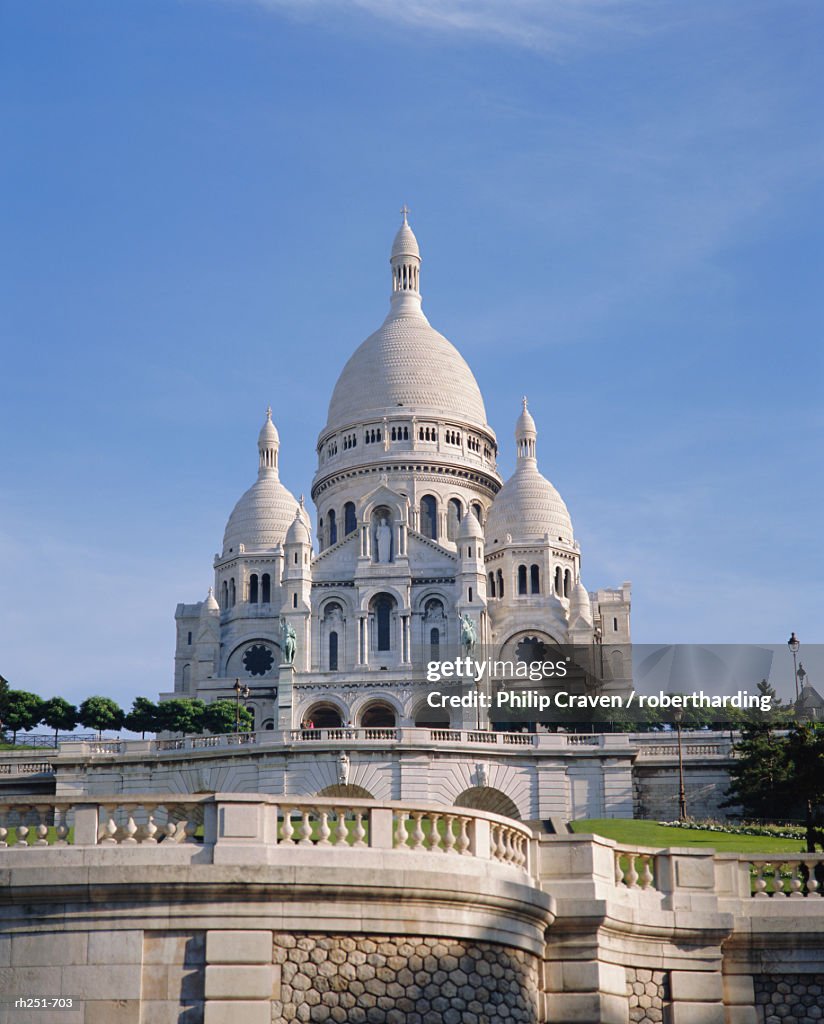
(405, 211)
(269, 413)
(525, 402)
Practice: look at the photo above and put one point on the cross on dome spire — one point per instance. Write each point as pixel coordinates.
(404, 213)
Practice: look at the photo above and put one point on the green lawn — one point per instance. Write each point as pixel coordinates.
(650, 833)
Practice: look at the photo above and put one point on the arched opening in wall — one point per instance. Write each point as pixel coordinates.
(558, 581)
(484, 798)
(500, 584)
(454, 514)
(477, 508)
(224, 595)
(253, 588)
(567, 582)
(332, 523)
(616, 665)
(185, 678)
(268, 725)
(347, 791)
(429, 517)
(431, 718)
(521, 580)
(323, 716)
(266, 588)
(232, 592)
(378, 716)
(535, 579)
(381, 608)
(434, 643)
(350, 520)
(492, 584)
(333, 651)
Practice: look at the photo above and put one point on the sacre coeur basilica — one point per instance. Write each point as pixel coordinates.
(418, 540)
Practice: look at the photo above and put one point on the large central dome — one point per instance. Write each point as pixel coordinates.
(406, 362)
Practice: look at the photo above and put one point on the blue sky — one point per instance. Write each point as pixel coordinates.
(620, 211)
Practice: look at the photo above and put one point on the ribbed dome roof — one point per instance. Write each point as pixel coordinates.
(406, 363)
(261, 517)
(527, 506)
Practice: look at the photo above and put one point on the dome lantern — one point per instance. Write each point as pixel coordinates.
(406, 266)
(268, 444)
(526, 435)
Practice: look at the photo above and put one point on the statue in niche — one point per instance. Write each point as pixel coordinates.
(383, 541)
(482, 774)
(343, 768)
(289, 641)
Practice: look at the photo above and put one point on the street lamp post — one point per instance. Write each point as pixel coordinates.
(678, 717)
(793, 643)
(240, 691)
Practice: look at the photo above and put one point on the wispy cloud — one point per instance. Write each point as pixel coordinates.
(547, 25)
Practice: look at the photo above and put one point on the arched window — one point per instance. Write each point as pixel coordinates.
(266, 588)
(567, 580)
(534, 579)
(383, 617)
(294, 600)
(521, 579)
(429, 517)
(470, 595)
(558, 583)
(224, 595)
(232, 593)
(350, 521)
(333, 651)
(253, 588)
(477, 508)
(434, 642)
(333, 526)
(454, 514)
(500, 584)
(492, 584)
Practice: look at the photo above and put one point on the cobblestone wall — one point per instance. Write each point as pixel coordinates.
(407, 980)
(790, 998)
(648, 994)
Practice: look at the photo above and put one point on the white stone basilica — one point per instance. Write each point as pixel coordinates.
(415, 530)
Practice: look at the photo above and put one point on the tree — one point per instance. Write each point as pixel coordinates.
(805, 777)
(181, 715)
(219, 717)
(101, 713)
(143, 717)
(23, 711)
(58, 714)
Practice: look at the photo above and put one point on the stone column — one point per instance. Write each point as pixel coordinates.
(241, 980)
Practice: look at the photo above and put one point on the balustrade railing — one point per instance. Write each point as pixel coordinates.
(313, 823)
(25, 767)
(790, 877)
(635, 870)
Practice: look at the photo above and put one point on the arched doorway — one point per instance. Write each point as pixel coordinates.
(431, 718)
(378, 716)
(323, 716)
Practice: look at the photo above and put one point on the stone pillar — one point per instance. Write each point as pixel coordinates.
(586, 992)
(241, 980)
(696, 997)
(286, 678)
(739, 999)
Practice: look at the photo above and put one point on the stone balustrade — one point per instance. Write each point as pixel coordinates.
(206, 821)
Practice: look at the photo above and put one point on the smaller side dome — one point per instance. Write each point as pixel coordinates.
(298, 532)
(210, 605)
(470, 527)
